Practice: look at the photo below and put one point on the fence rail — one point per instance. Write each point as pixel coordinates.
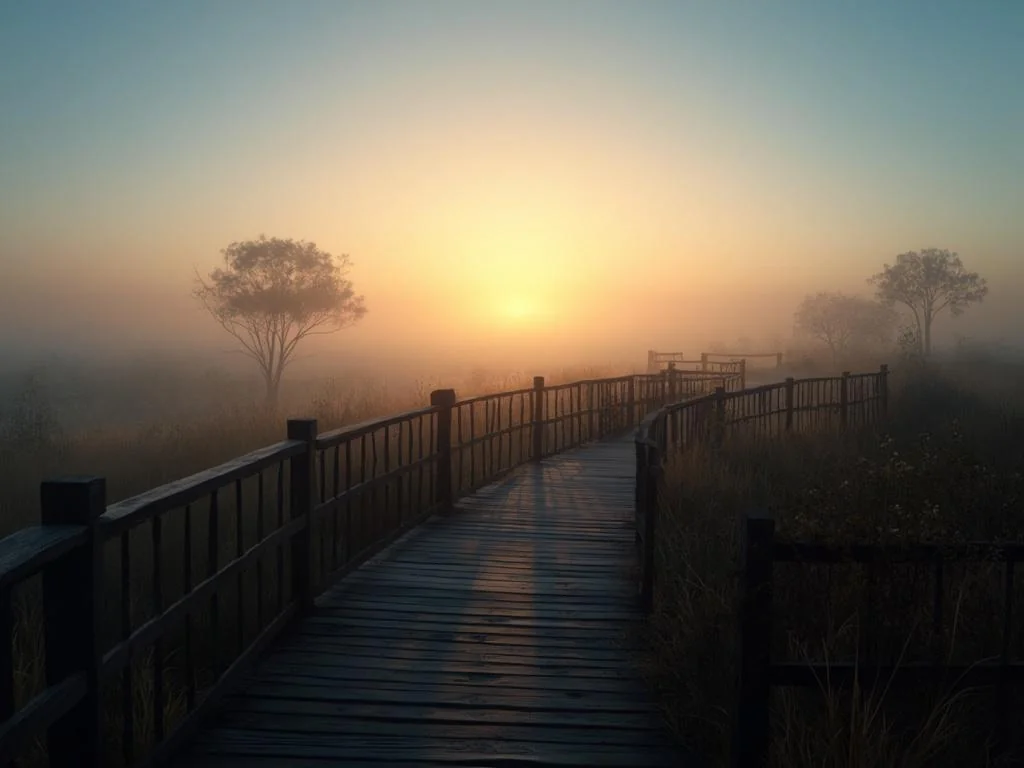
(183, 586)
(705, 363)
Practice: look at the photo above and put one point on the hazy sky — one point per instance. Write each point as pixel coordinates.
(609, 174)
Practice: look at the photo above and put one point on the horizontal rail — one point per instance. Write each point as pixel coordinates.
(354, 431)
(26, 552)
(800, 552)
(41, 712)
(126, 514)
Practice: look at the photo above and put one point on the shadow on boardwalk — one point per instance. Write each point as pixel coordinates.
(500, 635)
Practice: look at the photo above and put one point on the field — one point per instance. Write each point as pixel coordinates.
(946, 468)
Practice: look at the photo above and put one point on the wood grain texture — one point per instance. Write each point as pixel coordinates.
(501, 635)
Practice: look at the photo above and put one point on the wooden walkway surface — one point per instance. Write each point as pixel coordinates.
(497, 636)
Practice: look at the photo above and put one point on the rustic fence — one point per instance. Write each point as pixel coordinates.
(657, 361)
(159, 604)
(766, 413)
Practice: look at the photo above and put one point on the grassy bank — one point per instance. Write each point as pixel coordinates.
(945, 468)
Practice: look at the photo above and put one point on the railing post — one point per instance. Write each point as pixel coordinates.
(743, 373)
(704, 362)
(301, 502)
(444, 401)
(718, 428)
(790, 387)
(751, 732)
(844, 399)
(883, 388)
(631, 397)
(72, 600)
(538, 418)
(652, 364)
(591, 413)
(673, 379)
(664, 386)
(650, 496)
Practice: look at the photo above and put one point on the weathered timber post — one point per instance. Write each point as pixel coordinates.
(72, 588)
(538, 418)
(444, 401)
(652, 475)
(883, 389)
(718, 428)
(790, 387)
(664, 386)
(751, 734)
(301, 503)
(844, 399)
(673, 379)
(631, 409)
(652, 361)
(591, 412)
(704, 362)
(743, 373)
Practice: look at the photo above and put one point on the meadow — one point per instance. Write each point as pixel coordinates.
(944, 468)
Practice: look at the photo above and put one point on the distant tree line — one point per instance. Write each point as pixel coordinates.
(924, 284)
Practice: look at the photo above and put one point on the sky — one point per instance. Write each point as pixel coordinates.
(565, 177)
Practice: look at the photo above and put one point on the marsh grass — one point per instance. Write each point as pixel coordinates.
(944, 468)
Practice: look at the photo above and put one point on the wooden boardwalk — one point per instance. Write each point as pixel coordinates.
(501, 635)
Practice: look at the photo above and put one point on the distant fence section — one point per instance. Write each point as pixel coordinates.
(768, 412)
(159, 604)
(707, 362)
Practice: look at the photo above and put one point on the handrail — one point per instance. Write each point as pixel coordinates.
(771, 408)
(301, 512)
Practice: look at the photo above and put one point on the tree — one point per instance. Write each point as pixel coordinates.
(928, 282)
(273, 293)
(841, 321)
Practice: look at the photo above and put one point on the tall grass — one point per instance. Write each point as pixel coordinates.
(945, 468)
(136, 457)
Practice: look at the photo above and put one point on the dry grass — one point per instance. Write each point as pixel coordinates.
(140, 456)
(946, 467)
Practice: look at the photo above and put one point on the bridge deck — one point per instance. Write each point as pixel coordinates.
(500, 635)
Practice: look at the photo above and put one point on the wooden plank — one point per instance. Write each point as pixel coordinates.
(26, 552)
(502, 634)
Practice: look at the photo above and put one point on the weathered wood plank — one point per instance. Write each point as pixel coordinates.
(503, 634)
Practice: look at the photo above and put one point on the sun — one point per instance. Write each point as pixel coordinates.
(517, 309)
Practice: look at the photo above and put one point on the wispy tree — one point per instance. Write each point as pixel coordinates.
(842, 322)
(270, 294)
(929, 282)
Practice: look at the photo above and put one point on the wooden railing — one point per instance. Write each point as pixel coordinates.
(705, 364)
(768, 412)
(159, 603)
(756, 413)
(759, 553)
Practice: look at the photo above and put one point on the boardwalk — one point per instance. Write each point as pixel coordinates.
(497, 636)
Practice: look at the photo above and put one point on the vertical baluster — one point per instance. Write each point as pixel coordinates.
(457, 445)
(472, 446)
(259, 560)
(1002, 690)
(239, 551)
(402, 473)
(324, 570)
(127, 687)
(6, 655)
(334, 508)
(158, 608)
(349, 551)
(421, 454)
(432, 450)
(212, 555)
(364, 497)
(186, 589)
(386, 517)
(281, 546)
